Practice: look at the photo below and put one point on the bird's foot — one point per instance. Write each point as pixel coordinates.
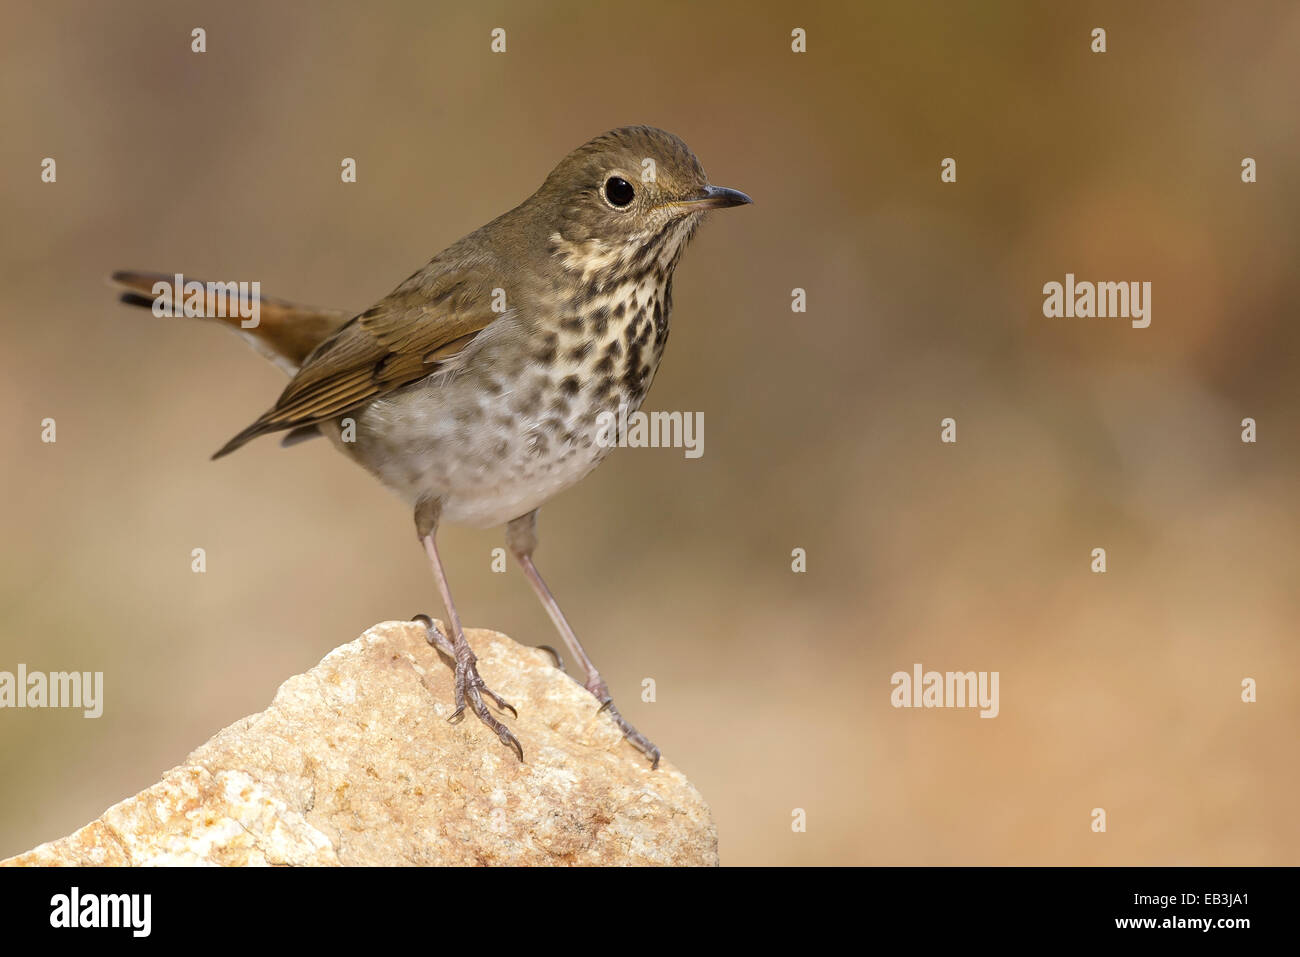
(470, 687)
(596, 685)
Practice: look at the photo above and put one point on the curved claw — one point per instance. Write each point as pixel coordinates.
(555, 655)
(640, 742)
(510, 741)
(630, 734)
(502, 704)
(648, 749)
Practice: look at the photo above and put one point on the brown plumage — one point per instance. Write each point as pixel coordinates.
(473, 389)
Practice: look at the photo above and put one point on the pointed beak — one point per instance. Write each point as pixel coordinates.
(715, 197)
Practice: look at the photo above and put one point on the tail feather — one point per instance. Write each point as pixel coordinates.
(135, 299)
(285, 333)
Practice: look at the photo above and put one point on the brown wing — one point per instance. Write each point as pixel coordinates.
(426, 320)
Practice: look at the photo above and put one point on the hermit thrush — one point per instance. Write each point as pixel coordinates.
(473, 389)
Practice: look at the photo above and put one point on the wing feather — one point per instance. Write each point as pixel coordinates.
(427, 320)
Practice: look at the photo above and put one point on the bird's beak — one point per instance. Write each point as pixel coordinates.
(714, 197)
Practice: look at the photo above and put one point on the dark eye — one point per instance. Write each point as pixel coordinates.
(618, 191)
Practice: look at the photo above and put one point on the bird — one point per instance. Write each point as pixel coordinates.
(473, 389)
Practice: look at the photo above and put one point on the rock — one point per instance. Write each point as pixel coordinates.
(355, 762)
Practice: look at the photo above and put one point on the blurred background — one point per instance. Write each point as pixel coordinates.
(1119, 691)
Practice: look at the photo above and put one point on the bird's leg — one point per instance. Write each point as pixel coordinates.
(470, 688)
(521, 537)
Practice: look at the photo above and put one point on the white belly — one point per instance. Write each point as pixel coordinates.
(488, 458)
(505, 427)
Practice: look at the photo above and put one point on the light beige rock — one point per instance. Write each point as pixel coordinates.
(355, 762)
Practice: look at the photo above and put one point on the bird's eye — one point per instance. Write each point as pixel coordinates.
(618, 191)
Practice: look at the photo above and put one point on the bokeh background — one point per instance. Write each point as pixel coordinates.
(1119, 691)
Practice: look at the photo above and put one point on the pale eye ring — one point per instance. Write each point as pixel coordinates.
(619, 192)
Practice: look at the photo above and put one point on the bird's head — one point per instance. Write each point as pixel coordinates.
(629, 199)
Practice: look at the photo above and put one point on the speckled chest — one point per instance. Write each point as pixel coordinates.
(518, 424)
(608, 344)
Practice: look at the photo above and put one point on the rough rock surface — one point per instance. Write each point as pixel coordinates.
(355, 762)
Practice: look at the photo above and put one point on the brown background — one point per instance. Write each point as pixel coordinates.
(821, 430)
